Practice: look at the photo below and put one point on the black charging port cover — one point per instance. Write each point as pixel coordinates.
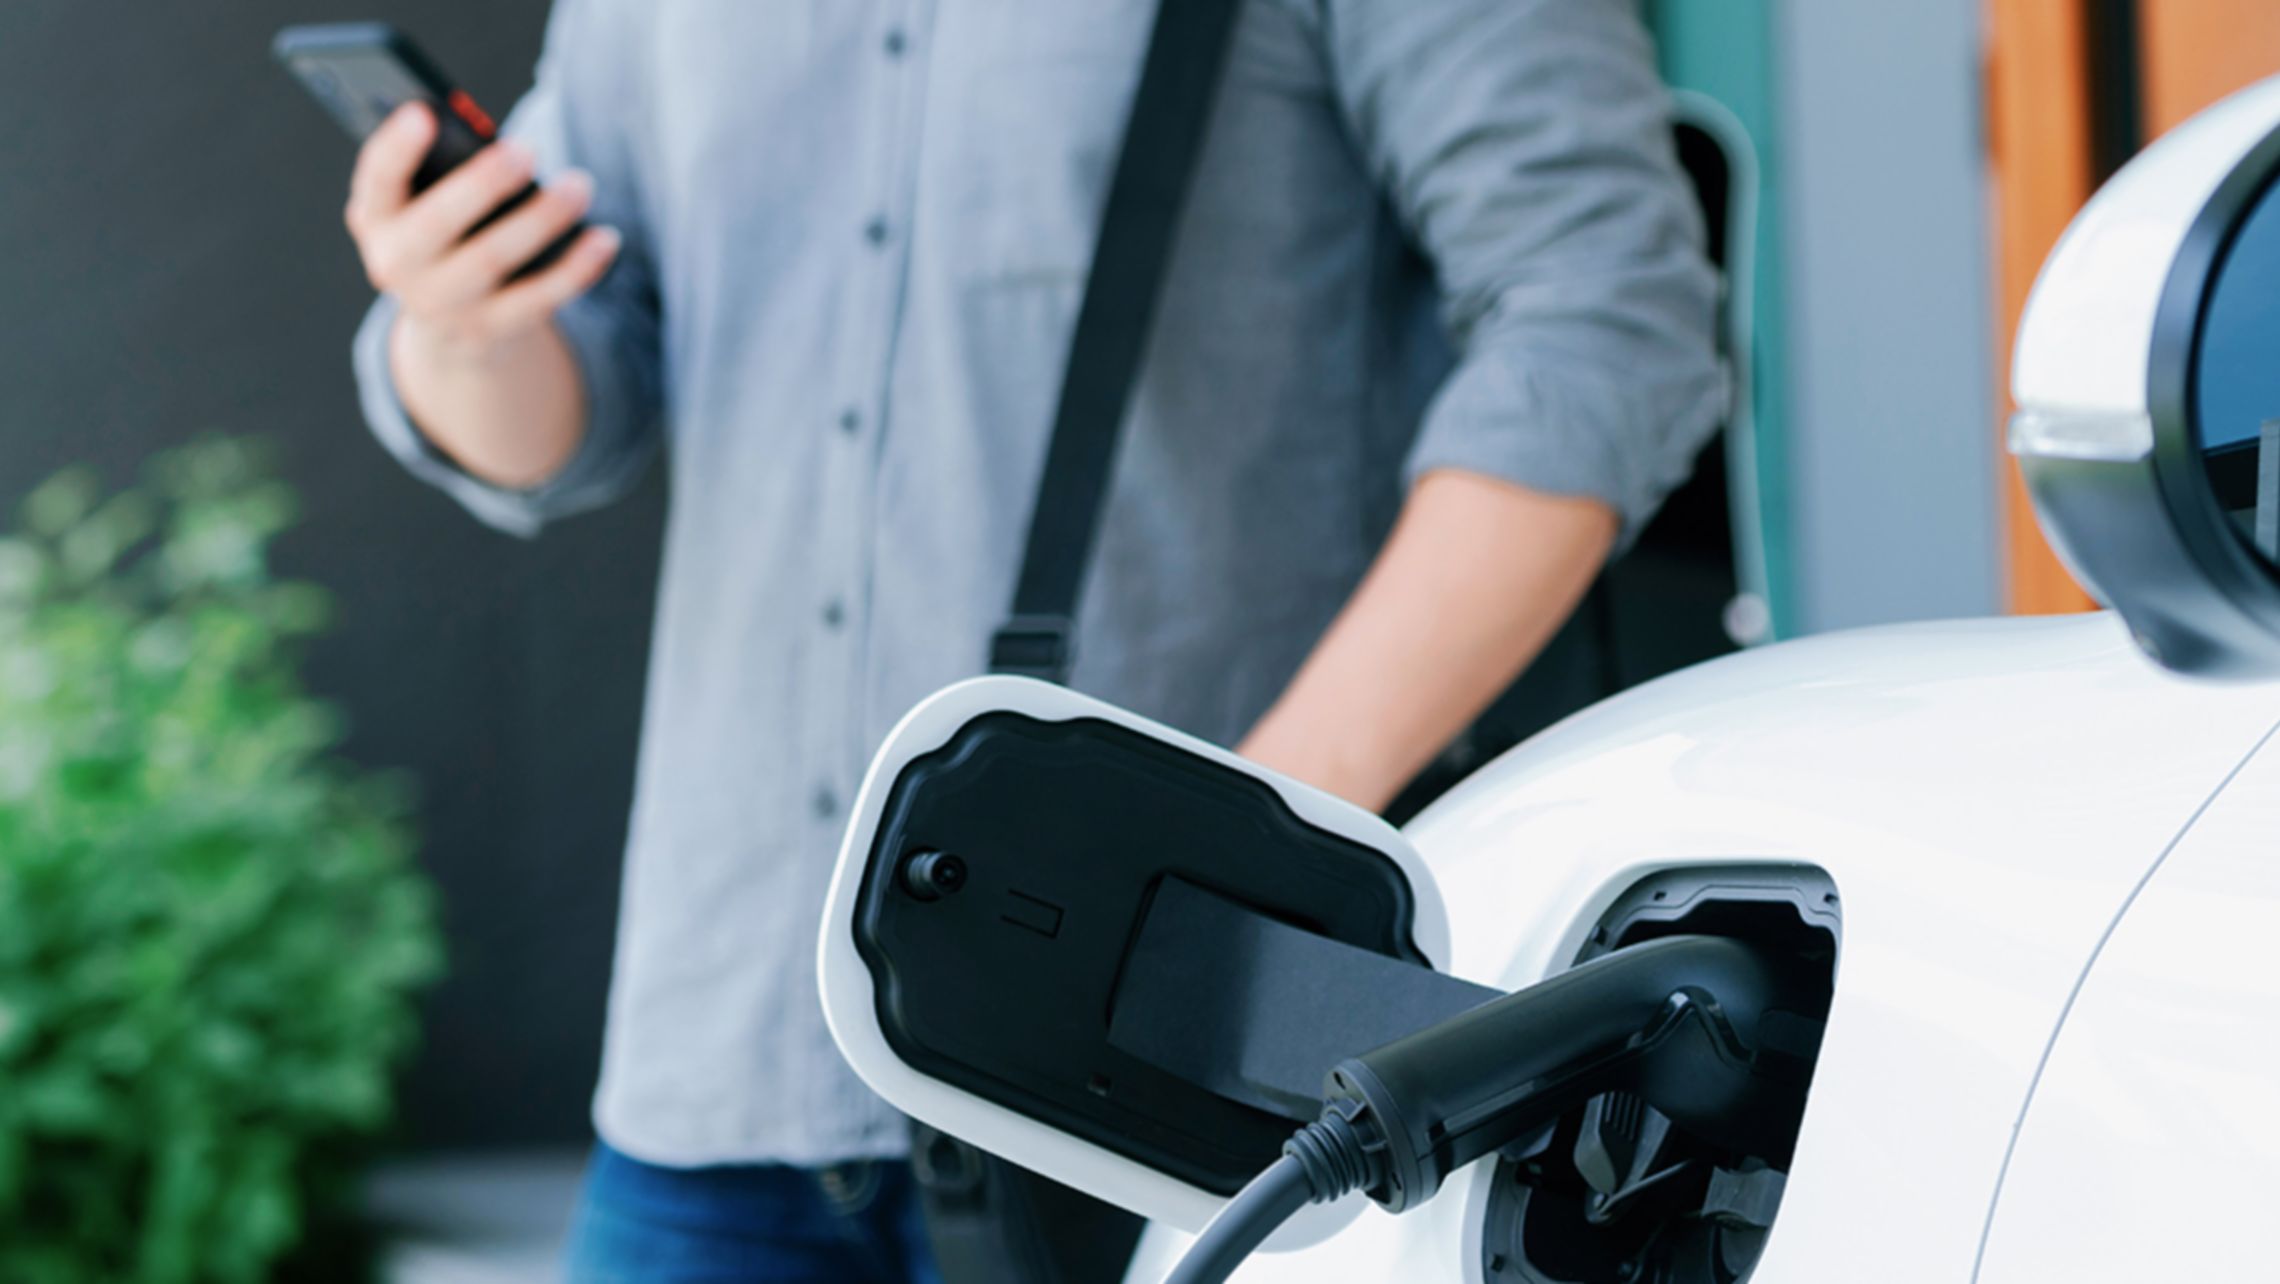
(1007, 882)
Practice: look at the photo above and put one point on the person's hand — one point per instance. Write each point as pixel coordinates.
(454, 286)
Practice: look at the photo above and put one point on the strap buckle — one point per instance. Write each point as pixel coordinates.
(1033, 646)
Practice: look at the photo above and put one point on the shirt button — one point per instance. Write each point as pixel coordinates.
(875, 231)
(895, 44)
(825, 803)
(849, 421)
(834, 613)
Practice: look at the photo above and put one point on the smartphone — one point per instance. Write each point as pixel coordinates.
(361, 72)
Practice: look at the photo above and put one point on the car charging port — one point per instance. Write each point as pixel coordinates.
(1616, 1188)
(1704, 1041)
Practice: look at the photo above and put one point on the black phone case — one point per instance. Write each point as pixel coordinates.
(360, 72)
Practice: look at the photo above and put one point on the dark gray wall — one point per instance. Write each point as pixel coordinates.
(171, 262)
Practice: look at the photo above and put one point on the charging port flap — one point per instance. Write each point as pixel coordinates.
(1031, 879)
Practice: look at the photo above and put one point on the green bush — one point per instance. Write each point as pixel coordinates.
(211, 930)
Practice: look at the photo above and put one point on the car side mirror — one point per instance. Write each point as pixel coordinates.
(2148, 384)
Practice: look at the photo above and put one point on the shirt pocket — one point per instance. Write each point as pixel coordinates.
(1030, 111)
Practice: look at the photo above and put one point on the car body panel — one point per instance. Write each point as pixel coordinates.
(2151, 1146)
(1986, 796)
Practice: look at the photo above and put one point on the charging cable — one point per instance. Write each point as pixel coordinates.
(1674, 1020)
(1326, 1160)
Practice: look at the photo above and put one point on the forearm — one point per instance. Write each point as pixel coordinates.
(511, 413)
(1475, 579)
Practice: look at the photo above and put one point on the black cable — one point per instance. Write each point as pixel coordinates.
(1323, 1161)
(1272, 1198)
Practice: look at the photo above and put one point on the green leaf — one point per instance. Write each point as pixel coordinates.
(60, 501)
(65, 1101)
(23, 570)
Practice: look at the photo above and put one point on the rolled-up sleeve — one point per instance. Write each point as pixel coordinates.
(1526, 145)
(573, 116)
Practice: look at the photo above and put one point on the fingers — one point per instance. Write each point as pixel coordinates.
(533, 300)
(430, 226)
(435, 252)
(472, 270)
(382, 184)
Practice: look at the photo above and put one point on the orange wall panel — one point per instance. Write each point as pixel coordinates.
(2038, 136)
(2197, 51)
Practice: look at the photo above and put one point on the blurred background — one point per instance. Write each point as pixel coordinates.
(1884, 180)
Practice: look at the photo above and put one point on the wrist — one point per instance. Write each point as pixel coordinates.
(1341, 761)
(510, 412)
(418, 346)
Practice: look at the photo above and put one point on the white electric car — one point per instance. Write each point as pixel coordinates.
(2012, 888)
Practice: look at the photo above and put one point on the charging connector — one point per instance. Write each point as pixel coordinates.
(1677, 1021)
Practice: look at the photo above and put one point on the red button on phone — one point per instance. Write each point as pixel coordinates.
(475, 116)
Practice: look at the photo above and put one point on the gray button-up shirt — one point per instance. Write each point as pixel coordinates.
(1426, 234)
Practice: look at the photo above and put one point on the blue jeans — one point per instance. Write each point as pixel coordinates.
(854, 1223)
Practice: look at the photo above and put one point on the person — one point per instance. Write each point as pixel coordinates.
(1436, 336)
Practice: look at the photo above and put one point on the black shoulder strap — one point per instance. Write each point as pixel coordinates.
(1153, 173)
